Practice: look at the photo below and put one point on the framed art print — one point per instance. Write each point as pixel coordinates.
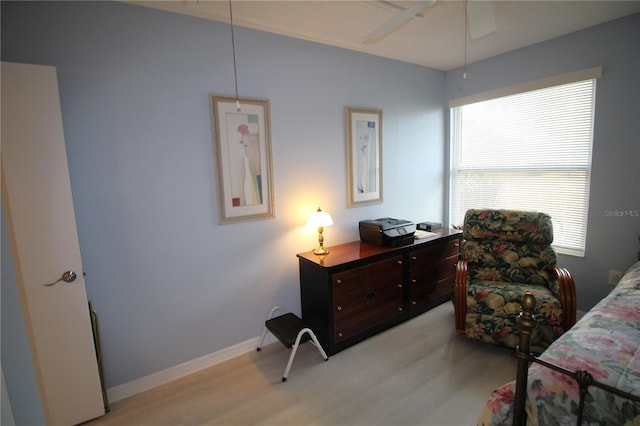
(242, 144)
(364, 156)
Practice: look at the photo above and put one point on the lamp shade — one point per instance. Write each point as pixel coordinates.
(319, 219)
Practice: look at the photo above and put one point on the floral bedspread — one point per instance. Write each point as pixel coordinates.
(605, 342)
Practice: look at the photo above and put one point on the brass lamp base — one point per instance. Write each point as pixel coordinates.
(321, 251)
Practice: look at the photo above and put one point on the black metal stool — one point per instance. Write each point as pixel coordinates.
(290, 330)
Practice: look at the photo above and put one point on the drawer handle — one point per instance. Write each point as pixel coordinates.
(414, 258)
(399, 262)
(339, 281)
(413, 281)
(339, 334)
(399, 285)
(339, 308)
(400, 308)
(413, 302)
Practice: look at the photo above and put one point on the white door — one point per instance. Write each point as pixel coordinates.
(41, 224)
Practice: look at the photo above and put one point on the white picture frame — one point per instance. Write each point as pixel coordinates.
(364, 156)
(242, 145)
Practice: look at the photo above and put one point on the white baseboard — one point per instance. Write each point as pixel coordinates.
(151, 381)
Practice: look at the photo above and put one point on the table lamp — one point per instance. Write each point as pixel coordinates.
(319, 219)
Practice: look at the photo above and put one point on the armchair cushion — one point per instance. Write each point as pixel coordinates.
(492, 307)
(509, 261)
(508, 225)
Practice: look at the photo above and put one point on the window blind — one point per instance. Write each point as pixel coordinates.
(527, 151)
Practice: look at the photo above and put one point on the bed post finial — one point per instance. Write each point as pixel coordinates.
(528, 305)
(526, 324)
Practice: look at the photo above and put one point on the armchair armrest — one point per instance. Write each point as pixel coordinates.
(460, 295)
(567, 297)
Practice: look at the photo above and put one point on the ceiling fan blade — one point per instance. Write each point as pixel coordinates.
(397, 20)
(482, 20)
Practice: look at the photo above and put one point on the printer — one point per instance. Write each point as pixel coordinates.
(387, 231)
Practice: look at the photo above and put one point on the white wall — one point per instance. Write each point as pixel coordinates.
(169, 283)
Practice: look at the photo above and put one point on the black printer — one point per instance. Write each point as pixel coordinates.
(387, 231)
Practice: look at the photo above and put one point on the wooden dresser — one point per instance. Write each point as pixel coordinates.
(360, 289)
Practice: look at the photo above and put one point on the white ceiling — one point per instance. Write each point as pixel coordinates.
(434, 38)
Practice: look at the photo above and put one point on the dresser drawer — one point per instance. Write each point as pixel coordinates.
(432, 272)
(424, 257)
(367, 296)
(425, 291)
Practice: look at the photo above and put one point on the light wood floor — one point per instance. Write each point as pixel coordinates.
(418, 373)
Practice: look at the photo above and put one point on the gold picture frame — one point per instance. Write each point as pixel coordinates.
(242, 145)
(364, 156)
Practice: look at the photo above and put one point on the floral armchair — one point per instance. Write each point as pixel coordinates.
(505, 254)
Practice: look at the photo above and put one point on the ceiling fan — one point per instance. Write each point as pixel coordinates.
(481, 20)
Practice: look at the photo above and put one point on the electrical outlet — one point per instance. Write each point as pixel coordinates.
(614, 277)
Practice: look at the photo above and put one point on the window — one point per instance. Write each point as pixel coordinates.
(528, 150)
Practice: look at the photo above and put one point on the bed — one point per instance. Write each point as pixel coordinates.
(602, 350)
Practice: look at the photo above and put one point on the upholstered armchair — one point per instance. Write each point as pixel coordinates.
(505, 254)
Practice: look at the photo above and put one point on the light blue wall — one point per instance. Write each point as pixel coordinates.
(612, 241)
(168, 282)
(19, 376)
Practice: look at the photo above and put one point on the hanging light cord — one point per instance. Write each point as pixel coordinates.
(233, 48)
(464, 75)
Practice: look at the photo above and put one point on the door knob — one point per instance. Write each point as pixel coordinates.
(67, 277)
